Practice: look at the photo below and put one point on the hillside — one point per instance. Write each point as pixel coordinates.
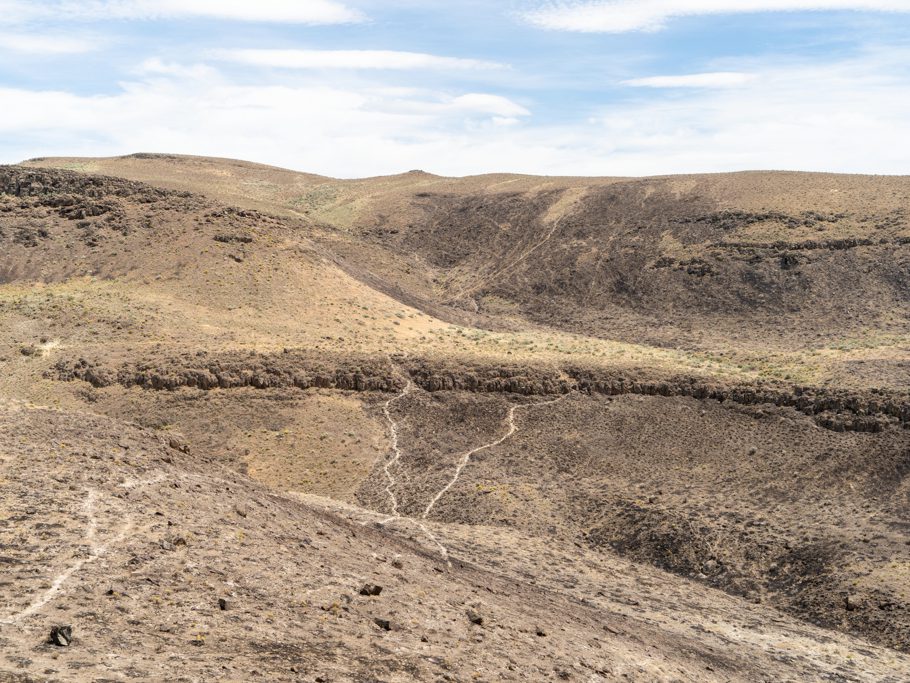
(645, 429)
(792, 276)
(159, 559)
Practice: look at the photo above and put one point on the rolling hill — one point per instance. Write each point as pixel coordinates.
(575, 428)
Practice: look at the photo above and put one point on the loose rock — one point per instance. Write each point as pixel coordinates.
(474, 617)
(61, 636)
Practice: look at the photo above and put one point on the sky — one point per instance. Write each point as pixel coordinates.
(354, 88)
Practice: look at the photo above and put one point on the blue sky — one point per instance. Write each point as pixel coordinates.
(367, 87)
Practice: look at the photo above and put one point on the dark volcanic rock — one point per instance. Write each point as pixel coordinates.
(61, 636)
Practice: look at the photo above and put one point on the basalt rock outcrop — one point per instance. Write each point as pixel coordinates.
(837, 410)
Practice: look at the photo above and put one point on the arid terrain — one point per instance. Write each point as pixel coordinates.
(265, 425)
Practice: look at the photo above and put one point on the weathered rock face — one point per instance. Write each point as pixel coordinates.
(64, 186)
(836, 410)
(235, 370)
(69, 215)
(527, 381)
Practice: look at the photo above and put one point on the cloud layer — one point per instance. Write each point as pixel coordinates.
(849, 116)
(290, 11)
(349, 59)
(46, 44)
(619, 16)
(336, 130)
(714, 79)
(510, 98)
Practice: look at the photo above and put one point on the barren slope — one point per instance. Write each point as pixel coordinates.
(789, 275)
(168, 567)
(692, 390)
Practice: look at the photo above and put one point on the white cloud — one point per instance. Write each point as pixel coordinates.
(618, 16)
(158, 67)
(288, 11)
(715, 79)
(849, 116)
(350, 59)
(342, 131)
(488, 104)
(46, 44)
(844, 117)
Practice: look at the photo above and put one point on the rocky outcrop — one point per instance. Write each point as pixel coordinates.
(513, 379)
(94, 204)
(232, 371)
(813, 245)
(730, 220)
(837, 410)
(25, 182)
(871, 411)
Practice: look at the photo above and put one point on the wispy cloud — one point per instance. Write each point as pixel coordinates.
(619, 16)
(715, 79)
(289, 11)
(46, 44)
(843, 116)
(155, 66)
(337, 130)
(366, 112)
(846, 116)
(350, 59)
(501, 107)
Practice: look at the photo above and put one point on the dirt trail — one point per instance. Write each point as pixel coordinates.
(96, 551)
(466, 458)
(387, 469)
(393, 430)
(396, 515)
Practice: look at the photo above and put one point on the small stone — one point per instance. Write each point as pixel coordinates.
(853, 602)
(371, 589)
(540, 632)
(474, 617)
(178, 444)
(384, 624)
(222, 604)
(61, 636)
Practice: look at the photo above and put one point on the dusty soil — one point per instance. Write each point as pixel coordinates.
(576, 429)
(168, 566)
